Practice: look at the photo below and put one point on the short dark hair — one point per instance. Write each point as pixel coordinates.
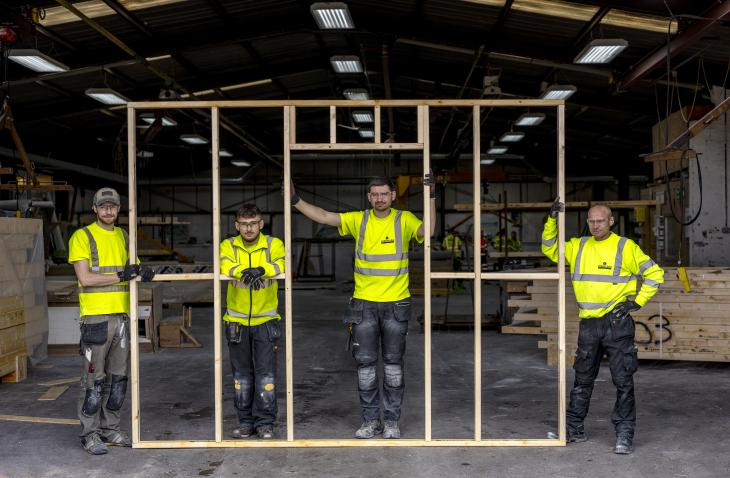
(248, 210)
(381, 181)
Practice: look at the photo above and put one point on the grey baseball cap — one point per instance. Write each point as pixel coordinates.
(107, 195)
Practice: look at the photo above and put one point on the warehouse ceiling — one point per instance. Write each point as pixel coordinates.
(266, 49)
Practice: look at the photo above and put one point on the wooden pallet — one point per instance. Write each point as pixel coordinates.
(174, 334)
(19, 365)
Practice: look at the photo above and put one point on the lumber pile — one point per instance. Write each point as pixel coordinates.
(674, 325)
(23, 307)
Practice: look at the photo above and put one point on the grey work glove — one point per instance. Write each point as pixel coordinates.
(253, 277)
(146, 273)
(129, 272)
(556, 208)
(431, 183)
(625, 308)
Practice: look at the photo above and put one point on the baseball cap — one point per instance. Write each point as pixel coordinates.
(106, 195)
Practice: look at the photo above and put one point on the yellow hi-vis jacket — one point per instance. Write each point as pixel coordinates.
(452, 243)
(381, 252)
(604, 273)
(107, 253)
(243, 304)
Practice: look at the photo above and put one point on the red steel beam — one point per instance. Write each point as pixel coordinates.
(679, 43)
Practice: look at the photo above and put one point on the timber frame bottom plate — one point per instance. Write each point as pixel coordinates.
(329, 443)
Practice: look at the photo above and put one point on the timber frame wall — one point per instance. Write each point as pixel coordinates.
(289, 108)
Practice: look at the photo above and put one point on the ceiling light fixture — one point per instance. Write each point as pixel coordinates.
(487, 161)
(558, 92)
(512, 137)
(530, 119)
(222, 153)
(357, 94)
(145, 154)
(193, 139)
(362, 116)
(149, 118)
(346, 64)
(241, 163)
(36, 61)
(332, 16)
(601, 51)
(366, 133)
(497, 150)
(107, 96)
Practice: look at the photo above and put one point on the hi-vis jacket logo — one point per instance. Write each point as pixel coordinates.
(387, 240)
(604, 266)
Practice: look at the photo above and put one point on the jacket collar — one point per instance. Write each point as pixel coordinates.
(261, 244)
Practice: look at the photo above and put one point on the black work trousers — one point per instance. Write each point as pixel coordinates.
(252, 352)
(379, 326)
(615, 338)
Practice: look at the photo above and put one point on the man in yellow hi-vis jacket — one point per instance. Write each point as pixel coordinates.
(99, 254)
(604, 270)
(380, 306)
(252, 321)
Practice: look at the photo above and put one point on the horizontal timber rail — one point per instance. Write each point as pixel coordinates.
(329, 443)
(343, 103)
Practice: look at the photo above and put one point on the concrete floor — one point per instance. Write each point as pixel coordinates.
(683, 411)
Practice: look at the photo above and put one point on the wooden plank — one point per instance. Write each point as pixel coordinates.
(545, 206)
(332, 443)
(44, 420)
(217, 306)
(60, 381)
(355, 146)
(342, 103)
(133, 288)
(477, 287)
(53, 393)
(289, 131)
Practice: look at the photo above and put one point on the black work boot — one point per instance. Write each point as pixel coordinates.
(624, 444)
(576, 436)
(244, 430)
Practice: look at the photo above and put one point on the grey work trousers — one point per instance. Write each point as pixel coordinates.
(104, 350)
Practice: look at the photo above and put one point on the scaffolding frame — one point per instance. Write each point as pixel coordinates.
(289, 108)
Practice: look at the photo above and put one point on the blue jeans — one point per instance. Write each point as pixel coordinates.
(379, 326)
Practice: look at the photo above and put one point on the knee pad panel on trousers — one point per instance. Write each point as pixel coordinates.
(92, 400)
(241, 390)
(367, 377)
(268, 389)
(393, 375)
(117, 393)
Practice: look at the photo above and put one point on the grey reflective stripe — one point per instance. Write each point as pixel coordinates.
(235, 252)
(238, 284)
(603, 278)
(106, 288)
(651, 283)
(126, 239)
(399, 254)
(269, 240)
(104, 269)
(600, 305)
(230, 271)
(649, 263)
(381, 272)
(619, 257)
(614, 278)
(576, 269)
(549, 242)
(267, 313)
(93, 249)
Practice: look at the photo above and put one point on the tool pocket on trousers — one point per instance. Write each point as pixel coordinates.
(233, 332)
(273, 329)
(353, 312)
(402, 310)
(94, 334)
(582, 363)
(631, 362)
(623, 328)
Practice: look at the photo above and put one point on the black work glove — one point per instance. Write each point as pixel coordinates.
(623, 309)
(129, 272)
(146, 273)
(294, 198)
(556, 208)
(429, 181)
(253, 277)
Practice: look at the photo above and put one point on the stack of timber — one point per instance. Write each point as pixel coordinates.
(674, 325)
(23, 307)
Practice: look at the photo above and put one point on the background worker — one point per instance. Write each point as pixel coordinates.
(252, 320)
(604, 270)
(380, 306)
(514, 244)
(99, 254)
(453, 243)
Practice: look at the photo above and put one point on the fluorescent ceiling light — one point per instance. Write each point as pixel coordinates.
(193, 139)
(346, 64)
(241, 163)
(530, 119)
(512, 137)
(149, 118)
(366, 133)
(356, 94)
(601, 51)
(145, 154)
(558, 92)
(362, 116)
(36, 61)
(487, 161)
(497, 150)
(107, 96)
(332, 16)
(223, 153)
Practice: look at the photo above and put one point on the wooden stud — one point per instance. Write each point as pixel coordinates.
(333, 124)
(356, 146)
(217, 326)
(335, 443)
(377, 123)
(561, 275)
(133, 289)
(476, 199)
(52, 421)
(292, 125)
(53, 393)
(423, 135)
(60, 381)
(288, 114)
